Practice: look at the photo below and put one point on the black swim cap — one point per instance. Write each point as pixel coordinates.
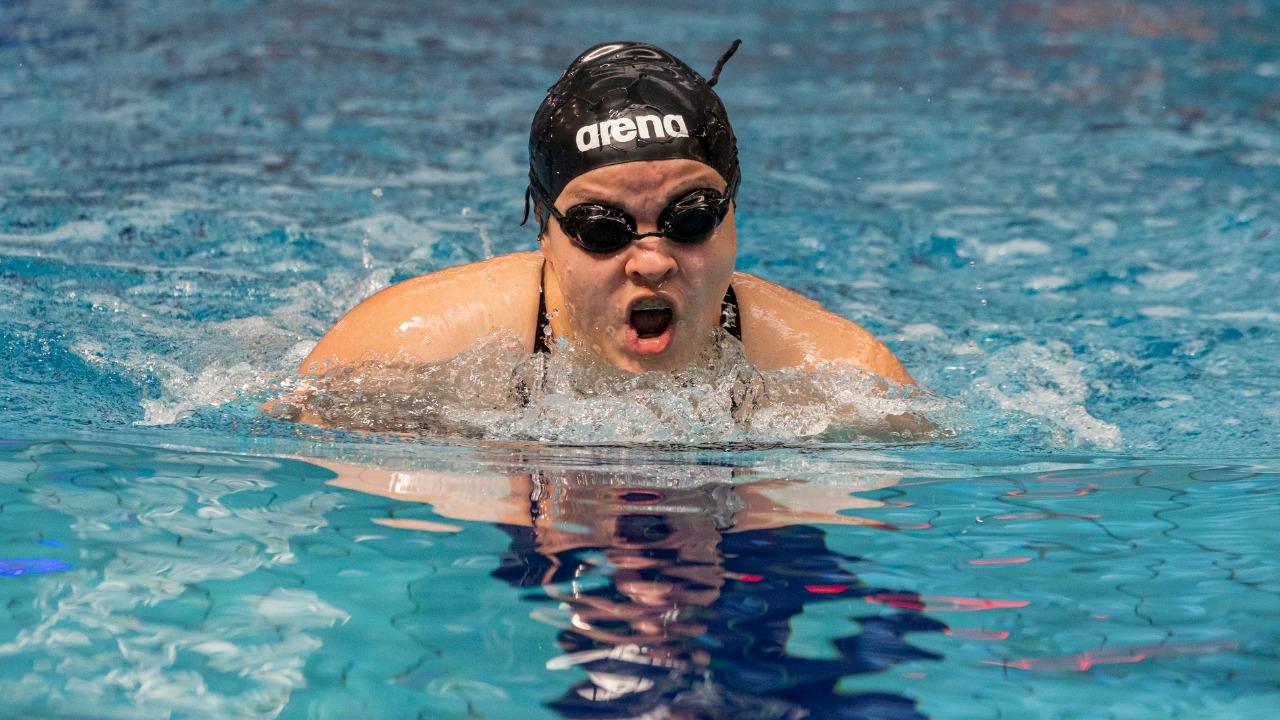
(626, 101)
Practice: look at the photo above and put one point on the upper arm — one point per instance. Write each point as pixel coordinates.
(434, 317)
(782, 329)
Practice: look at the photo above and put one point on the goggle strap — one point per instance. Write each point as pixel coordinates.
(715, 74)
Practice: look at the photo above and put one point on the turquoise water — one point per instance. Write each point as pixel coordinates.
(842, 585)
(1060, 215)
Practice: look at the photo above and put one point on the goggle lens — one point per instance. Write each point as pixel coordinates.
(598, 229)
(602, 229)
(694, 217)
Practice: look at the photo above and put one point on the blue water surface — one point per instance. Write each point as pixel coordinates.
(1061, 215)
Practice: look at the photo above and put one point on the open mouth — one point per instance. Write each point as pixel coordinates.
(650, 317)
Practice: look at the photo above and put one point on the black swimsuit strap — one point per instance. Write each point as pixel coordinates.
(729, 316)
(540, 328)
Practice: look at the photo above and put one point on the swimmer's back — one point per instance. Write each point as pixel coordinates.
(434, 317)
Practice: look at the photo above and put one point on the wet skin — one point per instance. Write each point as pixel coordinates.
(591, 298)
(590, 295)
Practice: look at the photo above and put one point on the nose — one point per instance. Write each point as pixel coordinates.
(650, 262)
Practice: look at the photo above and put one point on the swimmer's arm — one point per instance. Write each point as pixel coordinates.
(781, 502)
(423, 320)
(491, 498)
(434, 317)
(784, 329)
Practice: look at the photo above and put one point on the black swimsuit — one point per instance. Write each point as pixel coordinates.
(728, 318)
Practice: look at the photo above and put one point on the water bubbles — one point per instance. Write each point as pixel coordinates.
(498, 391)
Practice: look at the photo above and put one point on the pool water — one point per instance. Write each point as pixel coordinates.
(1061, 215)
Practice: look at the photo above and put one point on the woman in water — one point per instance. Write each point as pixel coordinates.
(633, 175)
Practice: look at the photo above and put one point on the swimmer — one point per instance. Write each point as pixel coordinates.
(633, 180)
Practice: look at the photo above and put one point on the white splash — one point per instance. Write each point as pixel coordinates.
(1047, 383)
(1042, 283)
(998, 252)
(184, 392)
(1163, 311)
(910, 187)
(1168, 280)
(497, 390)
(77, 230)
(920, 331)
(1247, 315)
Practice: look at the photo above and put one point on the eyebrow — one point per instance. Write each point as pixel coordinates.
(579, 198)
(591, 197)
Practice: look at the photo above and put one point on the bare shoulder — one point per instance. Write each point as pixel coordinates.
(435, 316)
(782, 328)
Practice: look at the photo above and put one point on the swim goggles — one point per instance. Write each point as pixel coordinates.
(602, 229)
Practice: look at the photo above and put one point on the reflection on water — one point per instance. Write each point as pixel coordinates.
(673, 592)
(527, 582)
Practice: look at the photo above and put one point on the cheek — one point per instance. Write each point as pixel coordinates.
(716, 272)
(716, 265)
(582, 283)
(580, 294)
(720, 252)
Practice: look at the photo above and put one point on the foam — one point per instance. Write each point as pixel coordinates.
(920, 331)
(214, 384)
(1047, 282)
(571, 397)
(808, 182)
(426, 175)
(1168, 280)
(1163, 311)
(909, 187)
(1247, 315)
(14, 171)
(381, 229)
(1046, 383)
(969, 211)
(506, 156)
(999, 252)
(77, 230)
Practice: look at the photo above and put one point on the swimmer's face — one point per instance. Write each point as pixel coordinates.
(617, 303)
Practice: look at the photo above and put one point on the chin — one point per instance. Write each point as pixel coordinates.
(652, 364)
(675, 357)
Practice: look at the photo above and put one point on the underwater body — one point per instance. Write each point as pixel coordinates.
(1060, 215)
